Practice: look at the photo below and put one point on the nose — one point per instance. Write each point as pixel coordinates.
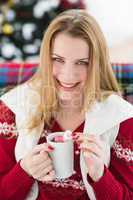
(68, 73)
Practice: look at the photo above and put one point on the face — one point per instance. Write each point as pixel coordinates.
(70, 57)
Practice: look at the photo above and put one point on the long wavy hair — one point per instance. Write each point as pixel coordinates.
(101, 81)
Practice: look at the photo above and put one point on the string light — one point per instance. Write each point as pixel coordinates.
(22, 24)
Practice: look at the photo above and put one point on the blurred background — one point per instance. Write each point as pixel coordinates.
(23, 22)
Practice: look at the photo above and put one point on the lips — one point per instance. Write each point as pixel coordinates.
(67, 86)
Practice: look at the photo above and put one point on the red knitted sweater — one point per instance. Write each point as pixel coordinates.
(116, 183)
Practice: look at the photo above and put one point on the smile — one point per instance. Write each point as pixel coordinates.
(68, 86)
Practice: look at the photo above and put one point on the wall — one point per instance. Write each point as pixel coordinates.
(115, 18)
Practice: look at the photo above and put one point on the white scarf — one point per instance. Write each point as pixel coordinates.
(103, 119)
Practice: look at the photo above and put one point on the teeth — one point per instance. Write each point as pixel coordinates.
(68, 86)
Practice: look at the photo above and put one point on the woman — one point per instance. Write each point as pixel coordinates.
(74, 88)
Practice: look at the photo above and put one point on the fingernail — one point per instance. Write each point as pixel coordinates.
(75, 137)
(50, 148)
(52, 173)
(74, 134)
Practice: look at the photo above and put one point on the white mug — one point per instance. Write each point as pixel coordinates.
(62, 156)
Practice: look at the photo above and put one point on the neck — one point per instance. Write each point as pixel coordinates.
(70, 106)
(70, 110)
(68, 113)
(69, 119)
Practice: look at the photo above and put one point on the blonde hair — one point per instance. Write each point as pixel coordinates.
(101, 81)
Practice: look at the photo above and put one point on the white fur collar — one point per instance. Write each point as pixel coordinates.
(107, 114)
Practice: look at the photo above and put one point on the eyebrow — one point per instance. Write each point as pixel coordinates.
(64, 58)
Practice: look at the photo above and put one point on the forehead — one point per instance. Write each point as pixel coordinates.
(66, 45)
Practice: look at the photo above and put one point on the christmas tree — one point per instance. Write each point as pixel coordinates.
(22, 25)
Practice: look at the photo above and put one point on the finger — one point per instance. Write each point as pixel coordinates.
(90, 159)
(42, 173)
(91, 147)
(90, 156)
(52, 173)
(49, 177)
(88, 137)
(46, 171)
(42, 147)
(95, 166)
(41, 158)
(96, 139)
(41, 165)
(91, 138)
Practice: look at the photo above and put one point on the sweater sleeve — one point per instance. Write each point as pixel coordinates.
(14, 181)
(117, 181)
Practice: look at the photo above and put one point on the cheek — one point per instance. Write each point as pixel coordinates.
(55, 71)
(84, 76)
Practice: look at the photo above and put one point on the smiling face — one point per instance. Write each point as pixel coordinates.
(70, 58)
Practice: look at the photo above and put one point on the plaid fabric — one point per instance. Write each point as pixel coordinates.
(12, 74)
(124, 75)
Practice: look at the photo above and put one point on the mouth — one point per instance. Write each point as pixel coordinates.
(68, 87)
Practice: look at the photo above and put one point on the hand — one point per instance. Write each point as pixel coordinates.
(38, 164)
(96, 154)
